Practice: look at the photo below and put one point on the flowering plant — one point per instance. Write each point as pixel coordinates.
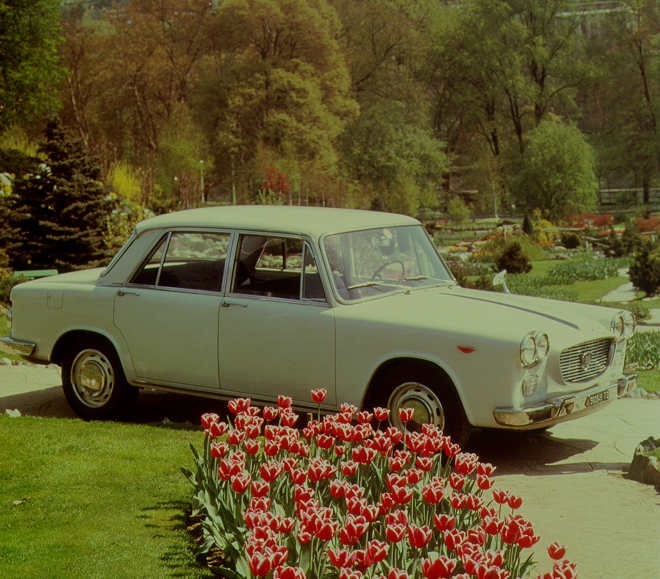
(348, 496)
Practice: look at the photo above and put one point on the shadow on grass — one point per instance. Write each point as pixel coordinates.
(169, 522)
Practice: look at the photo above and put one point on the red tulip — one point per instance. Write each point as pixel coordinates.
(396, 573)
(240, 482)
(284, 401)
(381, 414)
(376, 551)
(289, 573)
(556, 551)
(406, 414)
(238, 405)
(444, 522)
(270, 471)
(485, 469)
(260, 564)
(514, 501)
(341, 558)
(395, 532)
(500, 496)
(438, 567)
(319, 395)
(483, 482)
(419, 537)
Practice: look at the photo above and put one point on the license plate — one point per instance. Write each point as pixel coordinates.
(597, 398)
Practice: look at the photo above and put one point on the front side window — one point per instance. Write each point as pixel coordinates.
(187, 260)
(278, 267)
(377, 261)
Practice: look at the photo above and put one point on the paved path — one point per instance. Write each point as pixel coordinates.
(572, 478)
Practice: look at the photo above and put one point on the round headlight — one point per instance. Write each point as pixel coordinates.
(623, 325)
(542, 345)
(528, 353)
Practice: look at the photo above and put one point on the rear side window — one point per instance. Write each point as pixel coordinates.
(186, 260)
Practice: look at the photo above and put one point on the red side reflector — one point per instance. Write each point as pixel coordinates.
(466, 349)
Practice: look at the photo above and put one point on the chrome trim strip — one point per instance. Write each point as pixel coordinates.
(21, 347)
(561, 408)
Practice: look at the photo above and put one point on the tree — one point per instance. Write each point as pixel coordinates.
(277, 85)
(557, 172)
(29, 62)
(61, 208)
(626, 93)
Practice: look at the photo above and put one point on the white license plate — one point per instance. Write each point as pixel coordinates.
(597, 398)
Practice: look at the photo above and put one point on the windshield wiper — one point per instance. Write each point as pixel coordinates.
(372, 284)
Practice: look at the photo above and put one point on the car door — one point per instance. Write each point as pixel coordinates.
(168, 312)
(276, 327)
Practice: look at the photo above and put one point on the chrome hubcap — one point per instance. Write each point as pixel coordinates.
(92, 378)
(426, 406)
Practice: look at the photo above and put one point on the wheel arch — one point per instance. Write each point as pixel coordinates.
(72, 336)
(432, 369)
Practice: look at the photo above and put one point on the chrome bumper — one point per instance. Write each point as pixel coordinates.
(20, 347)
(561, 408)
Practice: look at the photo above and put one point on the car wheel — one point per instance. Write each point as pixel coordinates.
(432, 402)
(93, 380)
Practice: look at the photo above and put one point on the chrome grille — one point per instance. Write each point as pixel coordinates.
(585, 361)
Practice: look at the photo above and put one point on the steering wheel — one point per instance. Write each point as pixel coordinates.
(376, 274)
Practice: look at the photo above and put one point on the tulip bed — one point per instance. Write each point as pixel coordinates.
(347, 496)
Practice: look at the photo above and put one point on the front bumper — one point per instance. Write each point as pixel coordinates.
(20, 347)
(565, 407)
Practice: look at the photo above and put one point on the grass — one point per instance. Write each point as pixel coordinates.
(649, 380)
(84, 499)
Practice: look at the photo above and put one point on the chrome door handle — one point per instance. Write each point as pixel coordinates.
(122, 293)
(227, 304)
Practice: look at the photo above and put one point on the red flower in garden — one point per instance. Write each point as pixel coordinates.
(350, 574)
(349, 468)
(419, 537)
(424, 463)
(381, 414)
(354, 527)
(485, 469)
(270, 413)
(453, 538)
(288, 417)
(433, 492)
(219, 449)
(238, 405)
(217, 429)
(289, 573)
(465, 463)
(556, 551)
(341, 558)
(396, 573)
(260, 488)
(395, 532)
(456, 481)
(376, 551)
(406, 414)
(270, 471)
(401, 495)
(319, 395)
(564, 570)
(240, 482)
(500, 496)
(363, 455)
(438, 567)
(491, 525)
(514, 502)
(483, 482)
(284, 401)
(364, 416)
(444, 522)
(260, 563)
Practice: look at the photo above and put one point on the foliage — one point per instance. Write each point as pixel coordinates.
(645, 268)
(527, 225)
(639, 309)
(471, 274)
(557, 172)
(457, 210)
(61, 499)
(500, 240)
(7, 281)
(344, 496)
(643, 351)
(583, 267)
(29, 63)
(513, 260)
(537, 286)
(60, 209)
(570, 240)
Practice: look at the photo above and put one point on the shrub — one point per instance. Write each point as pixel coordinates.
(501, 239)
(539, 287)
(8, 281)
(457, 210)
(645, 268)
(570, 239)
(643, 350)
(639, 309)
(513, 260)
(347, 497)
(528, 226)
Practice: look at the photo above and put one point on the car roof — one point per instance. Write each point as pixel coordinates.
(311, 221)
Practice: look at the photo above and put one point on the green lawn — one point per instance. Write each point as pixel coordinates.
(84, 499)
(649, 380)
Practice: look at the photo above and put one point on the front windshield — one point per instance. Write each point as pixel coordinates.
(376, 261)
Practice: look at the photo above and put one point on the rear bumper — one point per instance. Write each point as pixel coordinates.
(561, 408)
(20, 347)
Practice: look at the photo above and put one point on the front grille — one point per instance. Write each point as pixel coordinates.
(585, 361)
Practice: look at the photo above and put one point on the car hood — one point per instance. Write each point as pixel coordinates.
(491, 314)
